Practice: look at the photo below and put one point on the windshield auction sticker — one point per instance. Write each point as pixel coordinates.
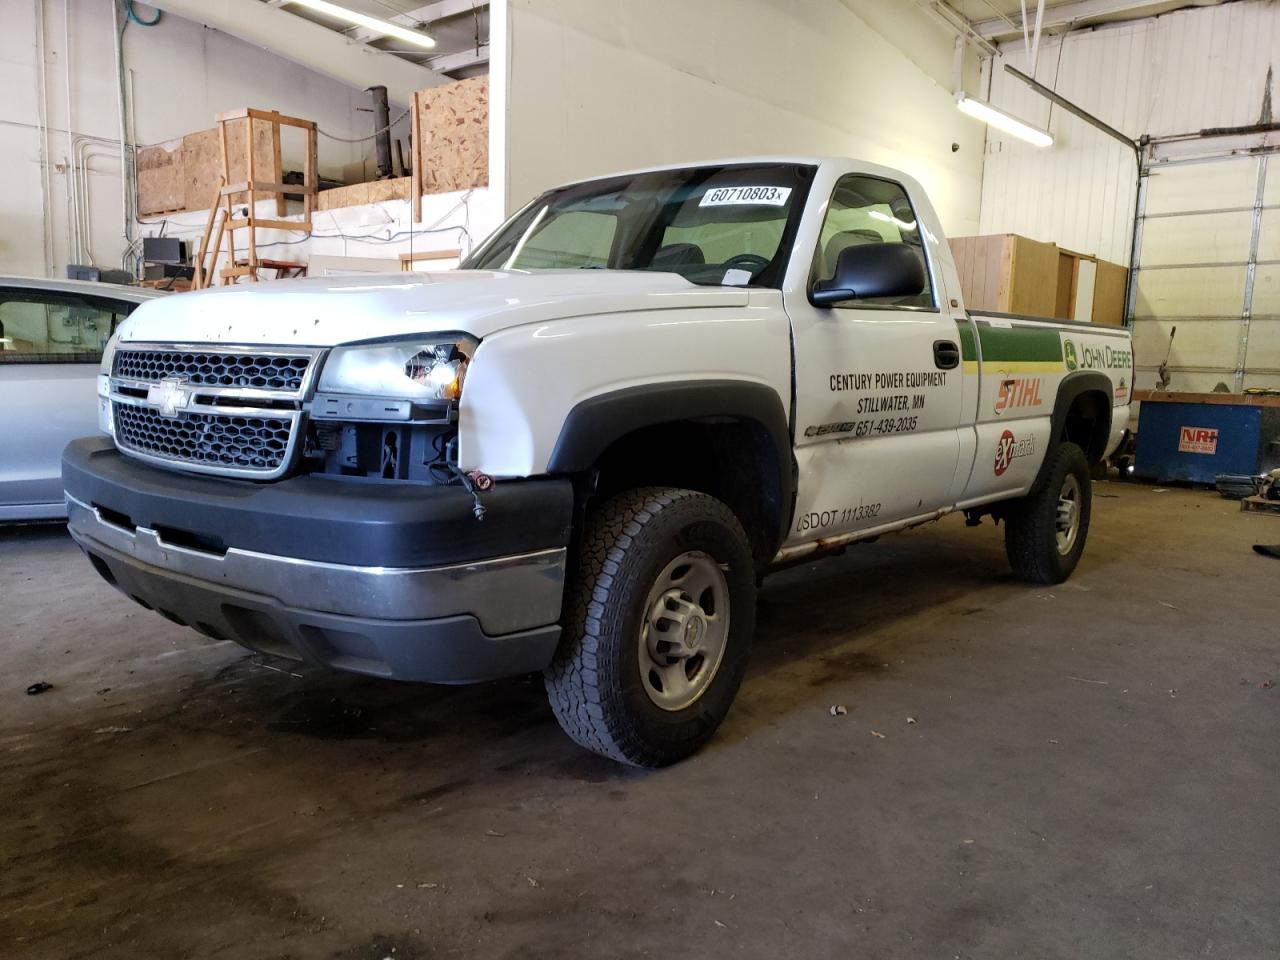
(745, 196)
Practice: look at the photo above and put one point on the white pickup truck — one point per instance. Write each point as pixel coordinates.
(580, 453)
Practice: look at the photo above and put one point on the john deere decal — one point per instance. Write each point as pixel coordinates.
(1086, 356)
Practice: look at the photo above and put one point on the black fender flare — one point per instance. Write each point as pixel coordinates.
(597, 422)
(1069, 390)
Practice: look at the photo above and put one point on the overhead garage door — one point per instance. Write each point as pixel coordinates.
(1209, 264)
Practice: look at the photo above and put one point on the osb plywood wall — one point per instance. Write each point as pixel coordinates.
(202, 161)
(358, 194)
(160, 178)
(455, 135)
(183, 174)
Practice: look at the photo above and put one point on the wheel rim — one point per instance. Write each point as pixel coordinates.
(1067, 522)
(685, 629)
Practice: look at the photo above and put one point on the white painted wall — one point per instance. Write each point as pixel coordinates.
(602, 85)
(918, 35)
(450, 221)
(1179, 73)
(182, 74)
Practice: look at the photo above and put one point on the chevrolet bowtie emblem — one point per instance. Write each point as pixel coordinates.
(168, 396)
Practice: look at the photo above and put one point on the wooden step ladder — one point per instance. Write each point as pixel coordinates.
(223, 221)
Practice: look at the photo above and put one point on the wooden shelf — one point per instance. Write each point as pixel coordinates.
(261, 224)
(259, 186)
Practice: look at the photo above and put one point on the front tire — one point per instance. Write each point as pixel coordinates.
(658, 626)
(1045, 532)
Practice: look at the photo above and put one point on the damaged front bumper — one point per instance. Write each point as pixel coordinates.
(392, 580)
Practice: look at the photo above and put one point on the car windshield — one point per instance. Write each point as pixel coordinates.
(714, 225)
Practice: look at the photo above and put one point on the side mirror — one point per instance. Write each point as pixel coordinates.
(869, 270)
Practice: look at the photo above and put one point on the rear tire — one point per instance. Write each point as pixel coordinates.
(1045, 532)
(658, 625)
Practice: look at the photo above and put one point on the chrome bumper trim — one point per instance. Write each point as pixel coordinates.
(505, 594)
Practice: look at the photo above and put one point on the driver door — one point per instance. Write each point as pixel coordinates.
(879, 382)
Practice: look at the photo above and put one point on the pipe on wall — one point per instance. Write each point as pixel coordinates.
(84, 150)
(66, 65)
(126, 167)
(42, 126)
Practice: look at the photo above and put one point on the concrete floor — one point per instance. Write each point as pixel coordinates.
(1094, 771)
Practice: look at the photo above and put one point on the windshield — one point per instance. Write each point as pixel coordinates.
(714, 225)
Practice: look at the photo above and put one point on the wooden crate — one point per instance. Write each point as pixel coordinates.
(1108, 294)
(1008, 273)
(160, 179)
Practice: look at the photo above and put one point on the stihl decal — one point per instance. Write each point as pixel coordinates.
(1014, 393)
(1198, 440)
(1009, 448)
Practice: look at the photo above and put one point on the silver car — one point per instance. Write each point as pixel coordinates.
(51, 337)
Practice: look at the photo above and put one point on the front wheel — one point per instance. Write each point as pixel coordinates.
(658, 625)
(1045, 532)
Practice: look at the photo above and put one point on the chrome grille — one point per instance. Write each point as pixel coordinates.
(228, 410)
(239, 442)
(259, 371)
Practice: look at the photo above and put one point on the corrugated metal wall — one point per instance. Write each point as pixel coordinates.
(1180, 73)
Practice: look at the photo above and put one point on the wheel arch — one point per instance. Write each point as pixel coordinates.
(1082, 415)
(599, 428)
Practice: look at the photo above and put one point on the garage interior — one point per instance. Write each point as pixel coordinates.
(927, 757)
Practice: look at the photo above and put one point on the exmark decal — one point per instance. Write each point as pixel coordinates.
(1198, 440)
(1083, 356)
(1010, 448)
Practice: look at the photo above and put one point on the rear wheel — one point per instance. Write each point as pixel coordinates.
(658, 626)
(1045, 532)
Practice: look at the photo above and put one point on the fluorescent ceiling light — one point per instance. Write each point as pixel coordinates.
(385, 27)
(1003, 121)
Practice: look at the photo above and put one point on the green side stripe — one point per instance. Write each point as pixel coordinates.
(1019, 343)
(967, 351)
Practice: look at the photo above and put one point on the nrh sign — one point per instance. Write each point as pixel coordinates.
(1198, 440)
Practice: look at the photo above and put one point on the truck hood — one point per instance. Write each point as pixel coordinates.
(325, 311)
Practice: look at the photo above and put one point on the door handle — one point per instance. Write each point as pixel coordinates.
(946, 354)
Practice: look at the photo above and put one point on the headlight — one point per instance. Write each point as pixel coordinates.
(418, 369)
(108, 357)
(105, 423)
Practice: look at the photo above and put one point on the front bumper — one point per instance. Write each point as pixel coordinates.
(191, 549)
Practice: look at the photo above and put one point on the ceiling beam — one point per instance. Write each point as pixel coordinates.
(1064, 14)
(952, 18)
(456, 61)
(307, 44)
(422, 16)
